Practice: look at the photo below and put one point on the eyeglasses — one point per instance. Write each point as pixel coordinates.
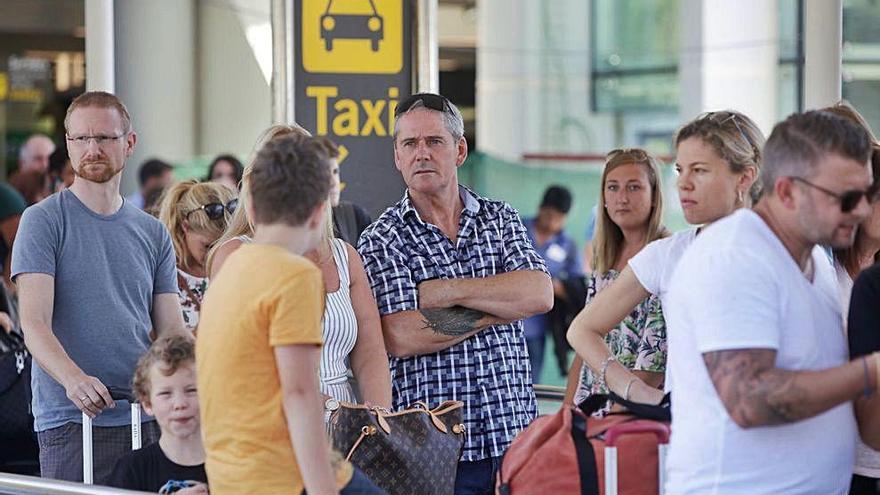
(721, 118)
(215, 210)
(429, 100)
(100, 139)
(849, 200)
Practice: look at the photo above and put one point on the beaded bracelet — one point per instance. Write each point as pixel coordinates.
(602, 371)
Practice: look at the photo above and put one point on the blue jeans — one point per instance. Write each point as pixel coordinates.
(477, 477)
(536, 356)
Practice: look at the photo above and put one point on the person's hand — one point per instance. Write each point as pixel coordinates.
(89, 395)
(197, 489)
(6, 322)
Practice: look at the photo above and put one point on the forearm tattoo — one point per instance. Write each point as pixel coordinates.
(454, 321)
(753, 391)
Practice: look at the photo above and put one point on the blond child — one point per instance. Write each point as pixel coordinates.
(165, 384)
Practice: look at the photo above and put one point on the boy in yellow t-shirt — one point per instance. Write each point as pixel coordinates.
(259, 339)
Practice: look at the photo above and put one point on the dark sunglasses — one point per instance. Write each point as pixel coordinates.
(429, 100)
(215, 210)
(849, 200)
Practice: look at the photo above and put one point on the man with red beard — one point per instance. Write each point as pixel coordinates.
(95, 274)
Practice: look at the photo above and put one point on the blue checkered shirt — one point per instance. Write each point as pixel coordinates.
(490, 371)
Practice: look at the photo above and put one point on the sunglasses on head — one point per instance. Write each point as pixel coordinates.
(215, 210)
(429, 100)
(721, 118)
(636, 153)
(849, 200)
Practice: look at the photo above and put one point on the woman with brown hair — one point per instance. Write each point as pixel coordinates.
(196, 215)
(718, 156)
(629, 218)
(848, 263)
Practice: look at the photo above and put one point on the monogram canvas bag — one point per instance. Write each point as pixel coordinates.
(411, 451)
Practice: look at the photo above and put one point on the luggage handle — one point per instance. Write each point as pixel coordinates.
(616, 432)
(660, 430)
(116, 393)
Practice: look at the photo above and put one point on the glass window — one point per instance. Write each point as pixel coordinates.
(861, 58)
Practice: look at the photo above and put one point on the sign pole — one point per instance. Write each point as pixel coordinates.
(282, 62)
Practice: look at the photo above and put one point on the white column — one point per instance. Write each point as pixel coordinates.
(823, 30)
(100, 46)
(428, 50)
(156, 74)
(729, 58)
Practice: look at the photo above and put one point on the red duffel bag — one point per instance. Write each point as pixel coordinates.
(572, 452)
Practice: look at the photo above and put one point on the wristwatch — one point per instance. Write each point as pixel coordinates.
(330, 406)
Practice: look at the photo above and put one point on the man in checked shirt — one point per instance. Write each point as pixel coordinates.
(454, 275)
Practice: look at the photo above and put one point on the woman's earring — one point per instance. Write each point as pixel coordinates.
(739, 196)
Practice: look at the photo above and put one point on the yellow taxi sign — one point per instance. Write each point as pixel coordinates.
(352, 36)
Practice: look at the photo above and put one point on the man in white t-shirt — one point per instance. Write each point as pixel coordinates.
(763, 387)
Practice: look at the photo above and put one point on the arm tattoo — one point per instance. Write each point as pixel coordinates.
(454, 321)
(753, 391)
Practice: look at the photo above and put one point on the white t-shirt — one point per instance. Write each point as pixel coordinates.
(654, 264)
(653, 267)
(738, 288)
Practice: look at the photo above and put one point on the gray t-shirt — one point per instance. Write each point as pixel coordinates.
(107, 270)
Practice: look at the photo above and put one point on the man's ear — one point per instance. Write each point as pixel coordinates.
(130, 142)
(462, 152)
(784, 190)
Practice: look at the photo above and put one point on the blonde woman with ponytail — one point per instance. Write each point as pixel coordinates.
(718, 155)
(352, 331)
(196, 215)
(240, 229)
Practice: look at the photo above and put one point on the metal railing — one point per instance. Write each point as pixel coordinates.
(16, 484)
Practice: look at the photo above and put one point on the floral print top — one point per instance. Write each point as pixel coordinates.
(639, 342)
(191, 300)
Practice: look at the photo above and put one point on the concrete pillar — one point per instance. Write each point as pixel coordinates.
(100, 65)
(233, 89)
(156, 75)
(823, 35)
(729, 58)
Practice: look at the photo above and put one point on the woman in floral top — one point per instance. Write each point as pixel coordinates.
(196, 215)
(630, 218)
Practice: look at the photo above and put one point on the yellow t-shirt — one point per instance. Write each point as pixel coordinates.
(265, 296)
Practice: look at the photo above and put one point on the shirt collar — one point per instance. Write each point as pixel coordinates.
(468, 197)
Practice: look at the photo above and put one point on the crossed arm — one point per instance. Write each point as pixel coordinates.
(756, 393)
(453, 310)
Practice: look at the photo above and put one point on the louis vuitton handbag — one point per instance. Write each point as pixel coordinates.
(411, 451)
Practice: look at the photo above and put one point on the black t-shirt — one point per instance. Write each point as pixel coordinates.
(863, 327)
(148, 469)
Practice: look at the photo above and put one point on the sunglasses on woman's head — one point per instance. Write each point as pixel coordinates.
(215, 210)
(721, 118)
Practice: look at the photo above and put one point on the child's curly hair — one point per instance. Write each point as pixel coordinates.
(169, 353)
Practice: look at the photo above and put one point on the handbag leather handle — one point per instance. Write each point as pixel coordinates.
(421, 406)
